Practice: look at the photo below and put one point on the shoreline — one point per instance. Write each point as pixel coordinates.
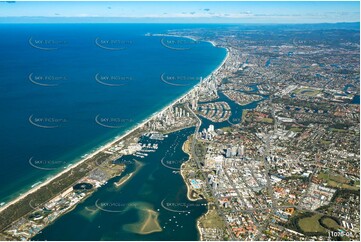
(184, 178)
(116, 139)
(200, 236)
(214, 44)
(175, 36)
(123, 180)
(198, 222)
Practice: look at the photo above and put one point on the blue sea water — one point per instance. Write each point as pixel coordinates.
(51, 91)
(110, 211)
(356, 99)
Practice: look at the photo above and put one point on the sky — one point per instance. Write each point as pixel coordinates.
(182, 12)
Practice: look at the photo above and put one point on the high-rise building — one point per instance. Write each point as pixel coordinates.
(215, 185)
(241, 150)
(233, 151)
(194, 98)
(228, 152)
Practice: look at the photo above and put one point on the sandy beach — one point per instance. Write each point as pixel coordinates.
(190, 155)
(123, 180)
(108, 145)
(97, 151)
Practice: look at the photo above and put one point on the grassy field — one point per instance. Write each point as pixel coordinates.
(244, 114)
(306, 91)
(330, 223)
(212, 220)
(346, 186)
(267, 120)
(296, 129)
(186, 146)
(227, 129)
(339, 130)
(333, 177)
(336, 180)
(326, 142)
(311, 224)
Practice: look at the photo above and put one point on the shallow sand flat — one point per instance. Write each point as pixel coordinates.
(148, 222)
(123, 180)
(89, 212)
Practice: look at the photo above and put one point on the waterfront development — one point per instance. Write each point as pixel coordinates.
(258, 138)
(286, 168)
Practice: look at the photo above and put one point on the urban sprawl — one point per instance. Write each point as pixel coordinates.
(286, 168)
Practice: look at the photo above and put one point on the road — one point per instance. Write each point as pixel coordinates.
(199, 166)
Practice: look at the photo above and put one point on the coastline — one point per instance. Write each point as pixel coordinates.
(199, 226)
(176, 36)
(188, 194)
(123, 180)
(183, 175)
(214, 44)
(190, 155)
(116, 139)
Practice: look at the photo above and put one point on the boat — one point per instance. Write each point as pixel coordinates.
(140, 153)
(157, 136)
(148, 150)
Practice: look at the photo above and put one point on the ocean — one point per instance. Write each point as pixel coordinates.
(66, 89)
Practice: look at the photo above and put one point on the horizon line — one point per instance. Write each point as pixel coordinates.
(116, 20)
